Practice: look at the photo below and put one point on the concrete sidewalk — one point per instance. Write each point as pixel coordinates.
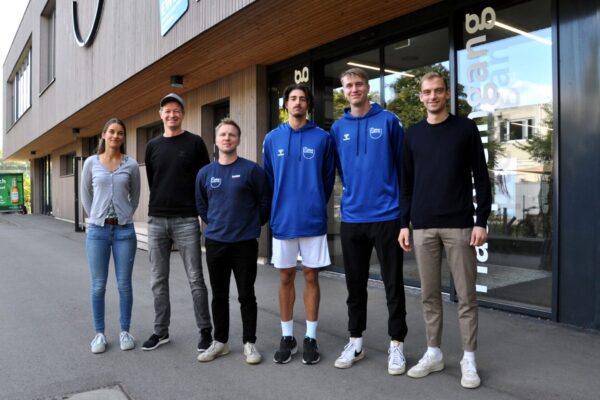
(46, 330)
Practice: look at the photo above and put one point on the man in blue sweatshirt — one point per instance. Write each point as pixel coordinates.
(442, 156)
(368, 141)
(299, 162)
(233, 199)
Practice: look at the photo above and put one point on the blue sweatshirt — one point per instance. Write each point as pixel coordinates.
(368, 158)
(300, 169)
(233, 200)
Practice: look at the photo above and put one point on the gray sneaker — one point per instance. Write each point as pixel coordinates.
(425, 366)
(127, 341)
(216, 349)
(252, 354)
(98, 345)
(470, 378)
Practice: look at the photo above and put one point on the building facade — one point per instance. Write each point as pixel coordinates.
(527, 71)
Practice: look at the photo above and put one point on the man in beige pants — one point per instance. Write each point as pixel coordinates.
(442, 157)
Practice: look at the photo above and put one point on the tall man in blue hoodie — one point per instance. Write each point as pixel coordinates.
(368, 141)
(299, 161)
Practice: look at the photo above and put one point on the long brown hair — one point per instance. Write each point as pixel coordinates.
(101, 144)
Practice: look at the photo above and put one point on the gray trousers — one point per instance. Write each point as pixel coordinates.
(462, 261)
(185, 233)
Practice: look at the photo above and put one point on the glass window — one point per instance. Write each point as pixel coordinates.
(67, 164)
(48, 44)
(505, 66)
(334, 101)
(405, 62)
(144, 135)
(21, 86)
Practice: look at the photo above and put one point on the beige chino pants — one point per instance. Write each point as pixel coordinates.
(428, 244)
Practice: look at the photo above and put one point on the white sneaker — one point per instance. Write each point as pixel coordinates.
(426, 365)
(127, 341)
(396, 361)
(216, 349)
(251, 353)
(470, 378)
(349, 356)
(98, 345)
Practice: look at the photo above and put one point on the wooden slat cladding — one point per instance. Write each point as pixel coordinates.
(261, 33)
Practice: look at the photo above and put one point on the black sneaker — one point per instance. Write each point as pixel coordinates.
(310, 351)
(154, 341)
(287, 348)
(205, 340)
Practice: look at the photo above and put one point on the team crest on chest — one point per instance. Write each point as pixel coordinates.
(215, 182)
(375, 133)
(308, 153)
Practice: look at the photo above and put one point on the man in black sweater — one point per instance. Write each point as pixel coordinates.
(442, 156)
(172, 163)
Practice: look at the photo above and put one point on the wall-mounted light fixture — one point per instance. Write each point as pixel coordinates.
(75, 132)
(177, 81)
(33, 152)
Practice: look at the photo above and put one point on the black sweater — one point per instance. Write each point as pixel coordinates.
(438, 164)
(172, 164)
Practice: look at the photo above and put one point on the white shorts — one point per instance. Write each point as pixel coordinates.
(312, 251)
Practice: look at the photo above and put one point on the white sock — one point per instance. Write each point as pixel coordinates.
(469, 355)
(357, 343)
(395, 343)
(287, 328)
(311, 329)
(435, 352)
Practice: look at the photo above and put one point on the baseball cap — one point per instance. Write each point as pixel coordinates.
(173, 97)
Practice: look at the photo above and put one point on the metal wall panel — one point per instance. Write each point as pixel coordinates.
(579, 150)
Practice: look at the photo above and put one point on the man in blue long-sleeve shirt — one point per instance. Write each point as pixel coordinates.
(233, 199)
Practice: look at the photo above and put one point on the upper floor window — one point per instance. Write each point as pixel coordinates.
(48, 44)
(20, 86)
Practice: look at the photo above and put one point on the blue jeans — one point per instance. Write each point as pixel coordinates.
(99, 242)
(185, 233)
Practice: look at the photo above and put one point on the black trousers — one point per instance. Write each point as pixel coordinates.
(358, 240)
(239, 258)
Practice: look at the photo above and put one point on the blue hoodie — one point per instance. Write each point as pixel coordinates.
(368, 158)
(300, 169)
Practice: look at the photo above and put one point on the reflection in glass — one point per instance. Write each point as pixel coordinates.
(505, 67)
(404, 62)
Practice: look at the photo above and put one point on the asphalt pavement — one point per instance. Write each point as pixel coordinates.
(46, 328)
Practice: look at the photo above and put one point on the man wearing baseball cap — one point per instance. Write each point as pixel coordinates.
(172, 163)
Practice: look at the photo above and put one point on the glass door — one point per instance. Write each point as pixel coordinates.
(505, 67)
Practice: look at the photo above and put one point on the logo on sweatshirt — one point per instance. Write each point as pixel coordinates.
(375, 133)
(346, 137)
(280, 153)
(215, 182)
(308, 153)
